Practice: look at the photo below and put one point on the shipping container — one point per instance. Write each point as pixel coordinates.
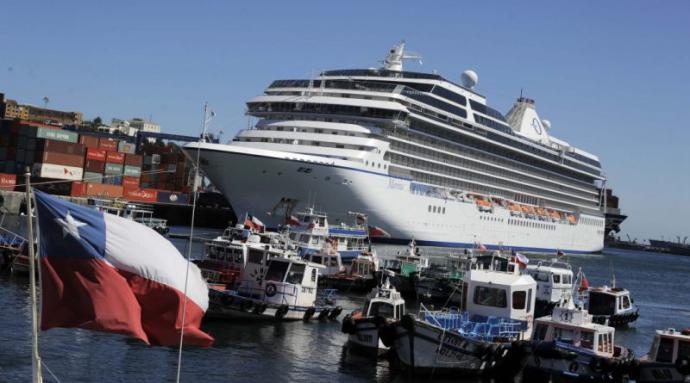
(7, 181)
(58, 159)
(93, 177)
(94, 166)
(115, 158)
(58, 171)
(78, 189)
(103, 190)
(133, 171)
(96, 154)
(51, 185)
(44, 145)
(109, 144)
(165, 196)
(129, 182)
(143, 195)
(54, 134)
(112, 180)
(126, 147)
(89, 141)
(154, 159)
(113, 168)
(134, 160)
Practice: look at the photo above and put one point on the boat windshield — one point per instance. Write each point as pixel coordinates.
(276, 271)
(381, 308)
(665, 351)
(601, 304)
(684, 349)
(295, 274)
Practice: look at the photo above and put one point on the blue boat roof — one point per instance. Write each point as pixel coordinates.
(346, 232)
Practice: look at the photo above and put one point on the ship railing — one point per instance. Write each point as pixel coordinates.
(11, 240)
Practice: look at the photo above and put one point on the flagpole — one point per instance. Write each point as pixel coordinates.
(36, 375)
(191, 238)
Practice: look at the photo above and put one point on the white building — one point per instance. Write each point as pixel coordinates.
(133, 126)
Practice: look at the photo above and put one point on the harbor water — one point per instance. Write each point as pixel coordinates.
(314, 352)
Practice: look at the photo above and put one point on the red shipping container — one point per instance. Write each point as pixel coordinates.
(108, 144)
(94, 166)
(7, 181)
(115, 158)
(89, 141)
(95, 154)
(103, 190)
(47, 145)
(134, 160)
(129, 182)
(78, 189)
(75, 160)
(143, 195)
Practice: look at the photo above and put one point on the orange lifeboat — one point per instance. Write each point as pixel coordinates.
(572, 219)
(484, 205)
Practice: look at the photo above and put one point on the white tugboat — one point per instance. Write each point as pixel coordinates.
(475, 342)
(383, 305)
(554, 285)
(668, 359)
(407, 268)
(569, 346)
(361, 275)
(612, 305)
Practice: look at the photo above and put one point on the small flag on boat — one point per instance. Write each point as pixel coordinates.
(292, 220)
(375, 231)
(521, 260)
(479, 246)
(253, 223)
(107, 273)
(584, 283)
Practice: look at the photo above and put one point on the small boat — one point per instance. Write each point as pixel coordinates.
(138, 213)
(477, 341)
(328, 257)
(668, 360)
(442, 283)
(554, 285)
(569, 347)
(360, 276)
(407, 268)
(484, 205)
(274, 287)
(612, 306)
(383, 305)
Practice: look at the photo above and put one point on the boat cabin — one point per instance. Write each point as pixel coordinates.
(329, 259)
(554, 281)
(365, 265)
(574, 327)
(385, 301)
(669, 345)
(609, 301)
(286, 281)
(501, 293)
(410, 262)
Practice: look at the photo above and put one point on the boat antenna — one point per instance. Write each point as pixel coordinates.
(36, 375)
(208, 115)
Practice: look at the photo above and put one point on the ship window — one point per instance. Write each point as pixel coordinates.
(626, 302)
(276, 271)
(317, 259)
(340, 146)
(519, 300)
(444, 210)
(488, 296)
(587, 339)
(556, 279)
(429, 208)
(295, 274)
(683, 350)
(381, 308)
(563, 335)
(601, 304)
(313, 275)
(256, 256)
(529, 301)
(665, 352)
(540, 332)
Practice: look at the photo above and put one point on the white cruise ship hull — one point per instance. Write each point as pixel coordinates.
(255, 180)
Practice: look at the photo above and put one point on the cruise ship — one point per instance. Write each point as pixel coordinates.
(425, 158)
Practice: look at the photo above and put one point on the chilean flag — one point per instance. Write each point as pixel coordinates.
(292, 220)
(107, 273)
(253, 223)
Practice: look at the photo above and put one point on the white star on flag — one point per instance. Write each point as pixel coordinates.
(70, 225)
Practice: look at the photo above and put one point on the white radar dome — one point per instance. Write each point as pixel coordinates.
(546, 123)
(469, 78)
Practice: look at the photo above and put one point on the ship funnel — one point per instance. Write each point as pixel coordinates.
(523, 118)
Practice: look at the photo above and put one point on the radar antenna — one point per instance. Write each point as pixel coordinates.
(394, 58)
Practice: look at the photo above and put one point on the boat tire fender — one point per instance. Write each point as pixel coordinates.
(335, 312)
(379, 321)
(309, 313)
(573, 367)
(348, 326)
(282, 311)
(271, 290)
(260, 308)
(247, 305)
(324, 314)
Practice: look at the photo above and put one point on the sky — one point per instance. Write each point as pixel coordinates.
(612, 77)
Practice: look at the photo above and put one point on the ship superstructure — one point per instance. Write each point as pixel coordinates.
(422, 156)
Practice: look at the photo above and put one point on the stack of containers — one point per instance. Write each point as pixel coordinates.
(150, 170)
(7, 181)
(114, 163)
